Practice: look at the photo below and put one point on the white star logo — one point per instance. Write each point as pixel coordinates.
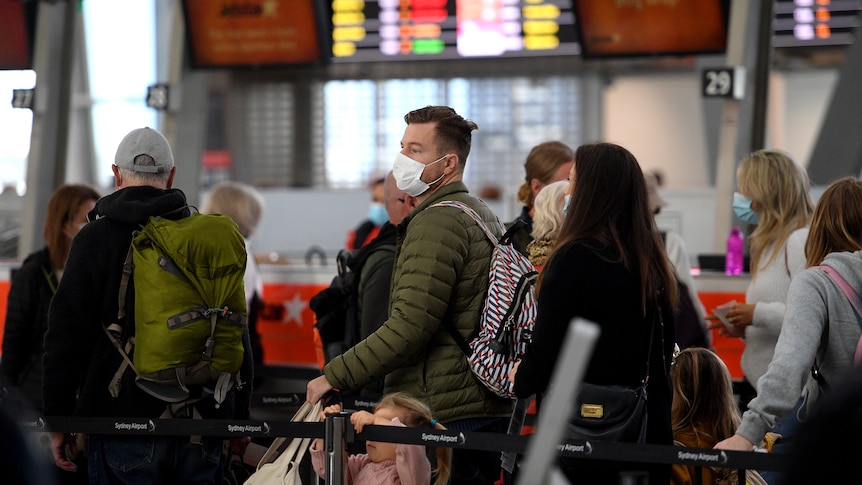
(294, 308)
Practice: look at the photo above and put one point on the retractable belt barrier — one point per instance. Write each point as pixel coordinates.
(631, 452)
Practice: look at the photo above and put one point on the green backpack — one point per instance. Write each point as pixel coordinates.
(190, 307)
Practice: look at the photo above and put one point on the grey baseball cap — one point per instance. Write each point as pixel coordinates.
(145, 141)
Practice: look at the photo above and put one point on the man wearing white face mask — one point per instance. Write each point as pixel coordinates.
(440, 280)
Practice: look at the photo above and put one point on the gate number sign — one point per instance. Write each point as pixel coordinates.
(724, 82)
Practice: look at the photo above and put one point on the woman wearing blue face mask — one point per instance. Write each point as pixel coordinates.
(742, 209)
(774, 196)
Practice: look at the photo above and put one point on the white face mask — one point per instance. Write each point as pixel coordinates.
(408, 174)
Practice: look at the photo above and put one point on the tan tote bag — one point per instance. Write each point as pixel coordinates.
(284, 468)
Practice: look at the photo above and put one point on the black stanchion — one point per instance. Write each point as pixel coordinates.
(333, 443)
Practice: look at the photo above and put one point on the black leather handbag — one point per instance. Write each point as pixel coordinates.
(610, 413)
(613, 412)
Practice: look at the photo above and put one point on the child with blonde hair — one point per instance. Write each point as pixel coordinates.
(388, 463)
(704, 412)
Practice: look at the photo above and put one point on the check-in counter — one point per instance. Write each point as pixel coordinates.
(715, 288)
(286, 324)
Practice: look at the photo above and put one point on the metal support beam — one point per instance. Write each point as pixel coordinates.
(838, 149)
(742, 121)
(184, 122)
(46, 164)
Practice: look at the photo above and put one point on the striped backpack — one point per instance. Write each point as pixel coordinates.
(506, 326)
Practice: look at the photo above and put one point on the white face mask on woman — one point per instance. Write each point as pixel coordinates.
(408, 174)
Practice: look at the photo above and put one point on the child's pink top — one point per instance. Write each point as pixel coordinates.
(410, 467)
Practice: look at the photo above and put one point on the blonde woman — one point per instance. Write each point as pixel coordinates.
(547, 219)
(774, 196)
(820, 325)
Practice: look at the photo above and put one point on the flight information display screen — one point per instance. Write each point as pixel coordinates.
(813, 23)
(651, 28)
(392, 30)
(253, 34)
(17, 25)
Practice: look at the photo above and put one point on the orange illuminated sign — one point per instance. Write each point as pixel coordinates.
(252, 32)
(640, 27)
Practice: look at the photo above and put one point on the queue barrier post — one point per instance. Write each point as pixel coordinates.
(333, 442)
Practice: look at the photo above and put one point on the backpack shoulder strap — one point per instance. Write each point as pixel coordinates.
(845, 288)
(473, 215)
(459, 339)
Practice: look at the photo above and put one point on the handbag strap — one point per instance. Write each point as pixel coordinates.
(307, 413)
(658, 317)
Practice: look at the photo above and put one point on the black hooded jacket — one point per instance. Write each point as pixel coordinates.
(79, 359)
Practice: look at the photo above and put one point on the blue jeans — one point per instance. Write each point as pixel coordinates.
(154, 459)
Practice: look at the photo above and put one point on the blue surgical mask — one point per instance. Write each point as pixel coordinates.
(377, 214)
(566, 202)
(742, 209)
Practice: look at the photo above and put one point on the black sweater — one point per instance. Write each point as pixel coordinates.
(582, 282)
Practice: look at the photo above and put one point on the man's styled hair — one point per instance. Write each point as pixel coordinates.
(454, 133)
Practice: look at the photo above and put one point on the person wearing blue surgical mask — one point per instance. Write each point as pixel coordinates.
(743, 210)
(774, 195)
(369, 227)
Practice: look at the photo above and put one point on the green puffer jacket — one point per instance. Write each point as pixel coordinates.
(441, 274)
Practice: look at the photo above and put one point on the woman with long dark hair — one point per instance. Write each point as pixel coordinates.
(609, 267)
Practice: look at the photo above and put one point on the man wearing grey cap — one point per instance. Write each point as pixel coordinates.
(80, 360)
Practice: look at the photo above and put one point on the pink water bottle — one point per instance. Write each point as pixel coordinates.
(735, 253)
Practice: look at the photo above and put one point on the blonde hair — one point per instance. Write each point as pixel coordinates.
(703, 401)
(239, 201)
(548, 215)
(542, 162)
(417, 414)
(781, 188)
